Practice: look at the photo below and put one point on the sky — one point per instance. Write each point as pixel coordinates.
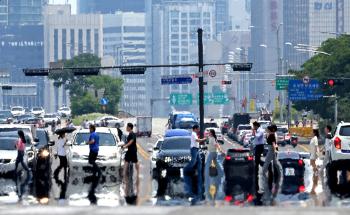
(72, 2)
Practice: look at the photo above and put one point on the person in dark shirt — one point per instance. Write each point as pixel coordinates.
(131, 155)
(94, 141)
(120, 132)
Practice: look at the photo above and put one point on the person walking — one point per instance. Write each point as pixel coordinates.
(190, 167)
(61, 152)
(21, 147)
(269, 159)
(258, 148)
(213, 149)
(313, 157)
(131, 157)
(94, 143)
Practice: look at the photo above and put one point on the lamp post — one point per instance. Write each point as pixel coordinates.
(280, 72)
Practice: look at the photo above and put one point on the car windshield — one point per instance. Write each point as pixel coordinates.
(24, 116)
(17, 109)
(37, 109)
(49, 116)
(282, 130)
(6, 113)
(176, 143)
(43, 138)
(106, 139)
(210, 125)
(244, 127)
(14, 135)
(345, 131)
(64, 109)
(8, 143)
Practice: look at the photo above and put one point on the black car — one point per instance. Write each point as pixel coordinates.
(239, 168)
(293, 170)
(173, 156)
(6, 114)
(21, 119)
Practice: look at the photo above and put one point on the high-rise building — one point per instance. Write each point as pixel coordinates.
(124, 39)
(66, 36)
(266, 47)
(222, 16)
(172, 39)
(22, 47)
(21, 12)
(110, 6)
(239, 14)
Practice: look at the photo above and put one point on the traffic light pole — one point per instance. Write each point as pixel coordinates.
(201, 82)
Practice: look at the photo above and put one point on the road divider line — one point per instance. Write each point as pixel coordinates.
(142, 152)
(304, 147)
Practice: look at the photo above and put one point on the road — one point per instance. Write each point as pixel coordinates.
(108, 193)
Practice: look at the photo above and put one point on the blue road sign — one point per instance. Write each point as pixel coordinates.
(298, 90)
(103, 101)
(184, 79)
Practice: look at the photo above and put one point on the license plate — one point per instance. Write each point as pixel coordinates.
(289, 172)
(239, 197)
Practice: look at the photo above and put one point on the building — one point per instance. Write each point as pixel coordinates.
(172, 39)
(66, 36)
(266, 47)
(21, 12)
(22, 47)
(222, 16)
(239, 14)
(124, 40)
(110, 6)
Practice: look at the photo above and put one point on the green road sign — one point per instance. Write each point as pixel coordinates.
(214, 99)
(180, 99)
(282, 83)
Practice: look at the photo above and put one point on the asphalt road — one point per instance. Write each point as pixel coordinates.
(75, 191)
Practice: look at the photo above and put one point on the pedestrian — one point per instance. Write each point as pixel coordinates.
(258, 148)
(269, 159)
(313, 157)
(61, 152)
(190, 167)
(131, 157)
(53, 126)
(21, 147)
(213, 149)
(94, 142)
(326, 148)
(120, 132)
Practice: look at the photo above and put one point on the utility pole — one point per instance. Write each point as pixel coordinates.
(279, 69)
(200, 82)
(336, 109)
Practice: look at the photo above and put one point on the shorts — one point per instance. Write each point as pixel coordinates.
(92, 157)
(131, 157)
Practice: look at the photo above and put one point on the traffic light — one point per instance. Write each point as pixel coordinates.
(330, 83)
(36, 72)
(86, 71)
(133, 70)
(6, 87)
(225, 82)
(241, 66)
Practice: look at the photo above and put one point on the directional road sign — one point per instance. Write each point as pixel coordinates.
(298, 91)
(282, 82)
(103, 101)
(214, 99)
(178, 79)
(180, 99)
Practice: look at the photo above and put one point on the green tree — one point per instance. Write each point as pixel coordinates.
(82, 89)
(321, 67)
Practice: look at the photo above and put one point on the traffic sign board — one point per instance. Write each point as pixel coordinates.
(212, 73)
(103, 101)
(179, 79)
(282, 83)
(216, 99)
(241, 66)
(298, 91)
(180, 99)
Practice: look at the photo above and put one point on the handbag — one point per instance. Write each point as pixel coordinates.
(213, 171)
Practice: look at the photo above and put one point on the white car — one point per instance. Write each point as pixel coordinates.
(8, 154)
(111, 121)
(49, 118)
(17, 111)
(65, 111)
(38, 111)
(155, 151)
(218, 133)
(241, 130)
(109, 156)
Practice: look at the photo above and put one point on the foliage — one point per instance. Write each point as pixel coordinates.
(77, 120)
(82, 89)
(323, 67)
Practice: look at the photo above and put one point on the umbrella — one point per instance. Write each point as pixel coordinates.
(65, 130)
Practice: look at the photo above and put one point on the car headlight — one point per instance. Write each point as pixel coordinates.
(76, 155)
(163, 173)
(44, 153)
(168, 159)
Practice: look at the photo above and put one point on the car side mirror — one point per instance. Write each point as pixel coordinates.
(150, 150)
(51, 143)
(36, 140)
(69, 143)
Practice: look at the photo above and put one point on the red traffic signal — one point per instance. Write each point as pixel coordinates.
(330, 82)
(333, 82)
(225, 82)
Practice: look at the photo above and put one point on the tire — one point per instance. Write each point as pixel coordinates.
(331, 171)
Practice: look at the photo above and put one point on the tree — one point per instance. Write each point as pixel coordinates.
(81, 88)
(335, 65)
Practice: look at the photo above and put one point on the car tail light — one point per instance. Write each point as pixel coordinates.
(337, 143)
(301, 162)
(301, 188)
(228, 157)
(250, 158)
(287, 137)
(250, 198)
(228, 198)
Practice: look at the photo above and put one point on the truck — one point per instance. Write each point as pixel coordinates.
(144, 126)
(237, 119)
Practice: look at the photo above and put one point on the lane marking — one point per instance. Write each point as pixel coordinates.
(142, 152)
(304, 147)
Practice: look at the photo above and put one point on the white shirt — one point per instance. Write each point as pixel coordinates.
(194, 138)
(61, 151)
(327, 142)
(259, 136)
(314, 148)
